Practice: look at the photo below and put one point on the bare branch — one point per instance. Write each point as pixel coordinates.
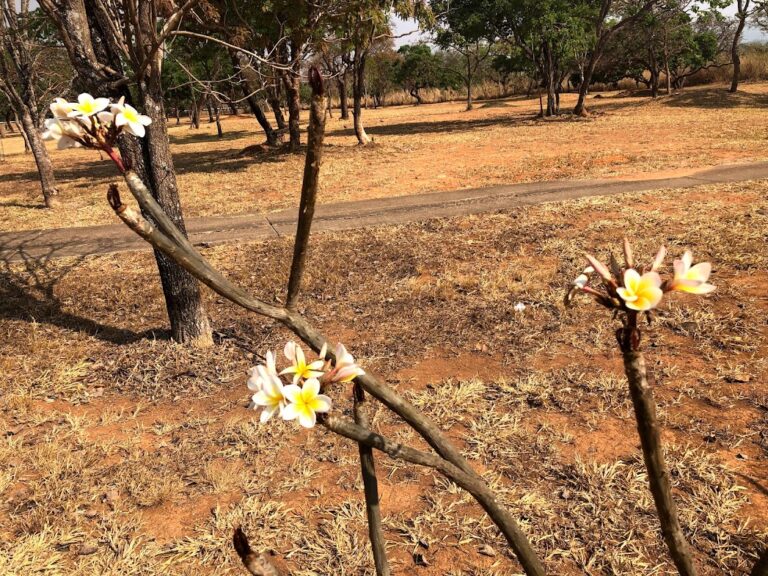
(168, 28)
(253, 55)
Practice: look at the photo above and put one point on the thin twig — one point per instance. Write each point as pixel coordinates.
(309, 185)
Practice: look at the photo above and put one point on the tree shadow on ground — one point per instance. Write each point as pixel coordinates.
(199, 137)
(84, 169)
(15, 204)
(441, 127)
(28, 293)
(714, 98)
(95, 173)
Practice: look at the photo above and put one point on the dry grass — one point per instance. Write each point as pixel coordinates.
(126, 454)
(418, 149)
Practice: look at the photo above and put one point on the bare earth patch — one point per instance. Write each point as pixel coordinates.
(124, 453)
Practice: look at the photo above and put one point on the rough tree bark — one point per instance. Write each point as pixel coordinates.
(42, 159)
(273, 97)
(292, 84)
(309, 186)
(470, 105)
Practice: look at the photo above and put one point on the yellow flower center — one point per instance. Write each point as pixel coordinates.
(130, 115)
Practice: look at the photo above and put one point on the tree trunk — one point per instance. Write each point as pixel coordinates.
(341, 83)
(248, 92)
(586, 78)
(550, 76)
(292, 85)
(274, 103)
(263, 121)
(469, 82)
(667, 73)
(189, 322)
(93, 49)
(659, 478)
(42, 159)
(358, 89)
(194, 113)
(415, 93)
(217, 118)
(743, 7)
(210, 110)
(653, 68)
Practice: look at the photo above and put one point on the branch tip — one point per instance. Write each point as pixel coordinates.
(113, 197)
(316, 81)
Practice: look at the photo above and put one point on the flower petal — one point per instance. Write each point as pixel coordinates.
(290, 412)
(321, 403)
(700, 272)
(292, 393)
(268, 412)
(311, 389)
(307, 419)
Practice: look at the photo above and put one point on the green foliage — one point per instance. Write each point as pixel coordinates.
(418, 68)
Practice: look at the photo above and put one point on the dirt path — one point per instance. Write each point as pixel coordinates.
(62, 242)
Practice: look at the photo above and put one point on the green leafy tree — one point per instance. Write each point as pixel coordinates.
(462, 26)
(418, 68)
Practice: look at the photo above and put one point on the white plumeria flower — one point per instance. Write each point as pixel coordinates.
(641, 293)
(128, 118)
(691, 278)
(305, 402)
(299, 367)
(60, 108)
(270, 396)
(87, 105)
(55, 130)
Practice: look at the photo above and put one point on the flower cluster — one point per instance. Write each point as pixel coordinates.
(301, 399)
(92, 122)
(634, 288)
